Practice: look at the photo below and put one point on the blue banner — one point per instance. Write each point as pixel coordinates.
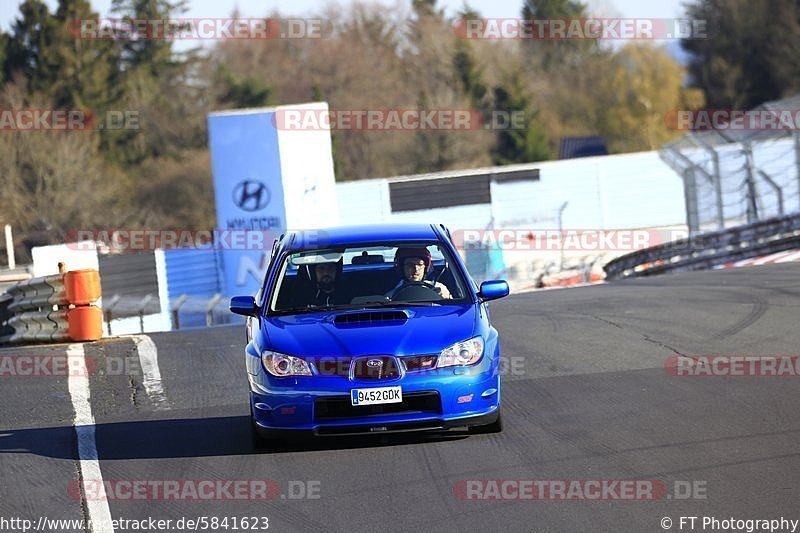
(246, 166)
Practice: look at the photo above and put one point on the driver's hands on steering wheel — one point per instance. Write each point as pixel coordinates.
(410, 292)
(442, 290)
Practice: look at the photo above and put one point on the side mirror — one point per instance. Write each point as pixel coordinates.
(493, 289)
(244, 305)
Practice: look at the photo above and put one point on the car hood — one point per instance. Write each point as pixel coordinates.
(426, 330)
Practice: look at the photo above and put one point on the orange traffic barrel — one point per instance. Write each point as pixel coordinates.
(83, 286)
(85, 323)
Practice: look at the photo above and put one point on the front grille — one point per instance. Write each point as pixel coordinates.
(419, 362)
(375, 367)
(337, 407)
(340, 366)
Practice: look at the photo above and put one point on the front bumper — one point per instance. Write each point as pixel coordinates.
(361, 427)
(466, 396)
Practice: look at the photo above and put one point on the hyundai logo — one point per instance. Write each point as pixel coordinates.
(374, 363)
(251, 195)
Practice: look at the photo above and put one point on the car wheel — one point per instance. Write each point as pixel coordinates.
(494, 427)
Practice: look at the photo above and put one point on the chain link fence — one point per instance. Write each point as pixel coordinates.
(739, 174)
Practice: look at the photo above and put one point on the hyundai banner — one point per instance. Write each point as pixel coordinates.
(265, 181)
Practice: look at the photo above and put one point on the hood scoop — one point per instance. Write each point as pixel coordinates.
(364, 318)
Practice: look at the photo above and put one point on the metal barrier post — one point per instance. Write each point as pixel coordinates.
(176, 307)
(690, 198)
(777, 188)
(752, 192)
(12, 262)
(210, 309)
(107, 307)
(690, 189)
(797, 159)
(142, 304)
(717, 178)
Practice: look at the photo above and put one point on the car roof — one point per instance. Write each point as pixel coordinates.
(361, 234)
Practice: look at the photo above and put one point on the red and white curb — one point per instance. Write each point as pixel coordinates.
(788, 256)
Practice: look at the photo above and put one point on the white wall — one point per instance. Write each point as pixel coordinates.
(627, 191)
(75, 256)
(619, 191)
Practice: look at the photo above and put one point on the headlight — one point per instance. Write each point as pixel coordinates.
(462, 353)
(281, 365)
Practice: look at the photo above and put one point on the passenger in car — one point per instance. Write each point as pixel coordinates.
(326, 286)
(414, 264)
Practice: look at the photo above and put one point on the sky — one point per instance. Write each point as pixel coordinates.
(299, 8)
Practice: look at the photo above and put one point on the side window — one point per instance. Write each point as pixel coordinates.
(273, 257)
(443, 271)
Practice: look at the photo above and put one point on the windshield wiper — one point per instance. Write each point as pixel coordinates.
(305, 308)
(390, 303)
(311, 308)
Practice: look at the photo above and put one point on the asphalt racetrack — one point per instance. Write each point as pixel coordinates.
(586, 397)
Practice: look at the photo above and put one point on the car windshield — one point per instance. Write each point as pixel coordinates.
(376, 275)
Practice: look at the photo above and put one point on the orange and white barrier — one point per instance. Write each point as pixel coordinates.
(572, 278)
(60, 307)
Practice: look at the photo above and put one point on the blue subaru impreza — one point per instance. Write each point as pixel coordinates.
(370, 329)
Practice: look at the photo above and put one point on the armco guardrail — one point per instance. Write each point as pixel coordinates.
(5, 329)
(710, 249)
(54, 308)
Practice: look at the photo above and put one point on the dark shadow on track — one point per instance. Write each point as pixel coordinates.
(189, 437)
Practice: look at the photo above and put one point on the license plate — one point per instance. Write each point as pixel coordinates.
(376, 395)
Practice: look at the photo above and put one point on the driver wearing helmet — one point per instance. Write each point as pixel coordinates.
(414, 264)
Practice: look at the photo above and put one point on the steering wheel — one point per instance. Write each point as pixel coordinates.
(416, 291)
